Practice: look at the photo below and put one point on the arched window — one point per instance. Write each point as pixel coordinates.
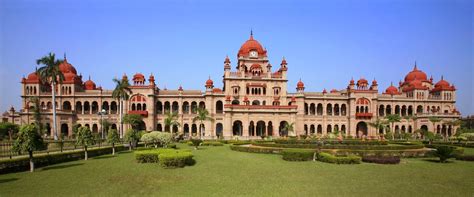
(219, 107)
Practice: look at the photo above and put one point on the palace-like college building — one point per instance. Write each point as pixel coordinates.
(253, 101)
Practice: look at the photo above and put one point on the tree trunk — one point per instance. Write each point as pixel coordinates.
(130, 146)
(393, 132)
(120, 114)
(32, 164)
(85, 152)
(55, 129)
(113, 148)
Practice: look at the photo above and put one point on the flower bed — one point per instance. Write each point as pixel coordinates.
(328, 158)
(381, 159)
(465, 157)
(298, 154)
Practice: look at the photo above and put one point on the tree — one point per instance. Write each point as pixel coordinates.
(112, 138)
(105, 125)
(134, 120)
(378, 124)
(85, 139)
(51, 74)
(392, 119)
(201, 116)
(434, 120)
(157, 138)
(131, 137)
(444, 153)
(28, 140)
(37, 114)
(8, 129)
(289, 127)
(121, 93)
(171, 119)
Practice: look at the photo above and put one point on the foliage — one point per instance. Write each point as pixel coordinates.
(388, 135)
(379, 124)
(8, 130)
(37, 114)
(84, 137)
(176, 159)
(289, 127)
(196, 142)
(328, 142)
(211, 143)
(122, 89)
(201, 116)
(328, 158)
(255, 149)
(113, 136)
(28, 139)
(75, 129)
(465, 157)
(21, 164)
(381, 159)
(171, 119)
(157, 138)
(297, 155)
(343, 146)
(444, 153)
(468, 136)
(134, 120)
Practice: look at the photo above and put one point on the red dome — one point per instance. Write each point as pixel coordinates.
(300, 84)
(334, 91)
(209, 82)
(33, 77)
(392, 90)
(69, 76)
(362, 81)
(416, 74)
(443, 85)
(251, 45)
(89, 85)
(66, 67)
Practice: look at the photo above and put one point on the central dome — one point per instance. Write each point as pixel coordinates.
(66, 67)
(416, 74)
(251, 45)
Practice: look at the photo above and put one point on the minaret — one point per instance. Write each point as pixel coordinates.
(283, 68)
(227, 67)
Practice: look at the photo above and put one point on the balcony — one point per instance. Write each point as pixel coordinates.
(139, 112)
(363, 115)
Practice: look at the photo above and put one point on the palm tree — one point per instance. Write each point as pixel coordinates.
(50, 73)
(378, 124)
(453, 123)
(392, 119)
(289, 127)
(201, 116)
(171, 119)
(121, 93)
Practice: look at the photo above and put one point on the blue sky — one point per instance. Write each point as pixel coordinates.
(326, 43)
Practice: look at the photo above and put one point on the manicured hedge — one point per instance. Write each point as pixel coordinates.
(212, 143)
(298, 154)
(399, 153)
(465, 157)
(381, 159)
(342, 146)
(22, 164)
(328, 158)
(176, 159)
(343, 142)
(254, 149)
(453, 143)
(167, 158)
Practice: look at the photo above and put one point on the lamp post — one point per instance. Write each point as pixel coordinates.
(101, 114)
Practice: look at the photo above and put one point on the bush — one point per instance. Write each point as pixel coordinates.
(330, 142)
(157, 138)
(22, 164)
(444, 153)
(328, 158)
(381, 159)
(176, 159)
(343, 146)
(465, 157)
(297, 155)
(253, 149)
(212, 143)
(195, 142)
(147, 156)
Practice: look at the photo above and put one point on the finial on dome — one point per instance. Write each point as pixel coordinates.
(415, 68)
(65, 59)
(391, 83)
(89, 77)
(442, 77)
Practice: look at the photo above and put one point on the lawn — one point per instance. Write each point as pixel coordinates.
(222, 172)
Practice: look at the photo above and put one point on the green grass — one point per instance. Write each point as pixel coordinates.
(222, 172)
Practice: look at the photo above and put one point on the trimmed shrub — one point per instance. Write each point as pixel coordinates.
(176, 159)
(146, 156)
(22, 164)
(253, 149)
(328, 158)
(195, 142)
(211, 143)
(465, 157)
(381, 159)
(297, 155)
(343, 146)
(444, 153)
(331, 142)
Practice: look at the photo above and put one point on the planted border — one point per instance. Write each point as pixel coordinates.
(328, 158)
(381, 159)
(298, 155)
(342, 146)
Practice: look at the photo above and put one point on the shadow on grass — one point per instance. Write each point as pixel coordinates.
(106, 156)
(7, 180)
(433, 160)
(62, 166)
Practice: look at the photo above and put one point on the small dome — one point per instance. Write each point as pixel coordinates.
(442, 84)
(251, 45)
(392, 90)
(180, 88)
(362, 81)
(300, 84)
(227, 60)
(138, 77)
(33, 77)
(325, 91)
(89, 85)
(209, 82)
(283, 61)
(334, 91)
